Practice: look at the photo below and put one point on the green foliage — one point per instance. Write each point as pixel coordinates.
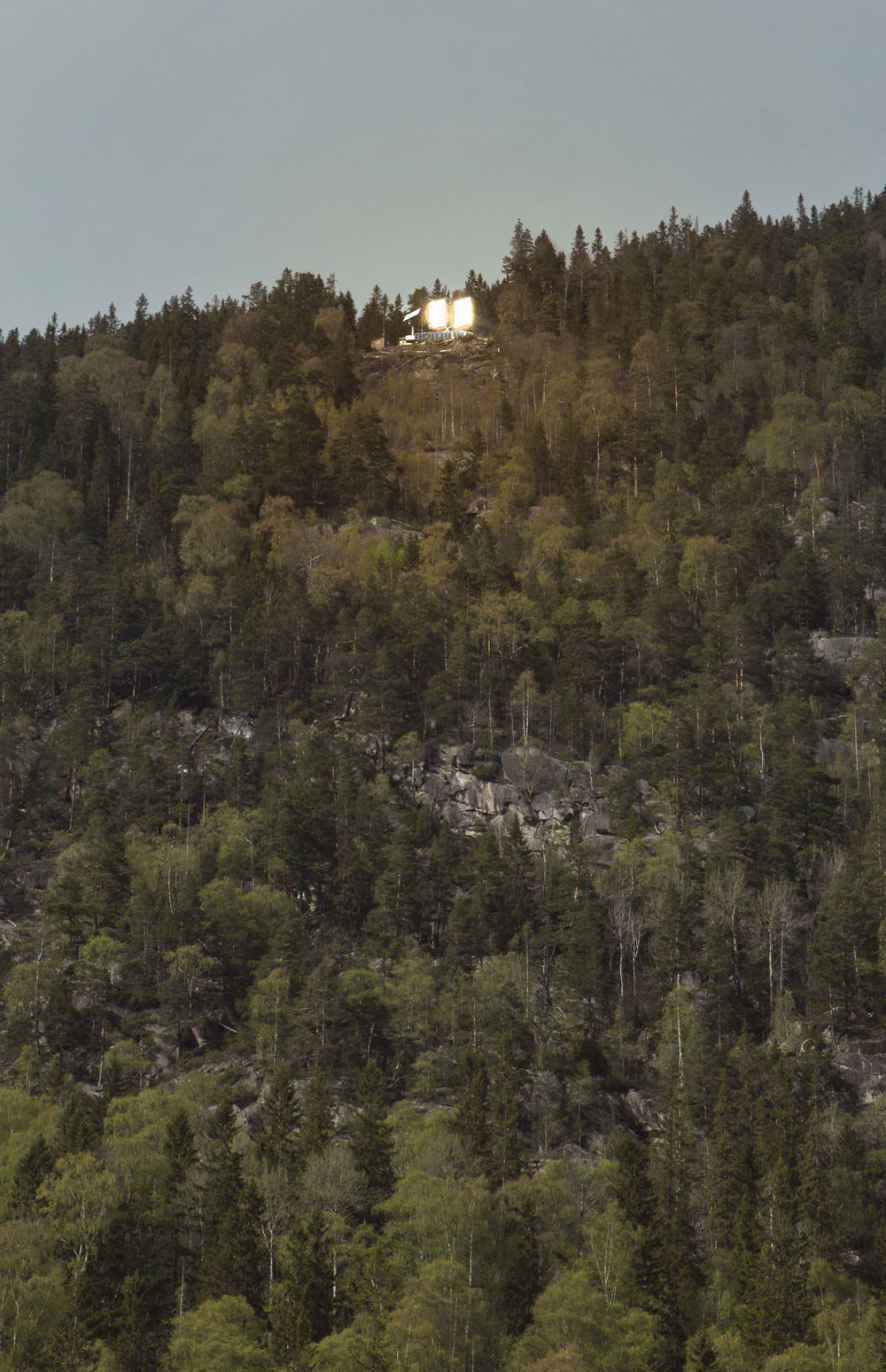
(218, 1336)
(229, 1263)
(604, 1333)
(77, 1197)
(372, 1145)
(302, 1301)
(273, 618)
(440, 1314)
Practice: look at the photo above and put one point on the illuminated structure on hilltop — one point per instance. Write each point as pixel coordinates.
(442, 319)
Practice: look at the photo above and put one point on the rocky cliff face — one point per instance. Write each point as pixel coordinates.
(473, 790)
(840, 651)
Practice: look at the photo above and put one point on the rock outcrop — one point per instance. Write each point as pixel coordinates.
(840, 651)
(474, 790)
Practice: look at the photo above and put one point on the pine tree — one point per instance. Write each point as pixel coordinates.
(180, 1152)
(578, 283)
(505, 1121)
(372, 1145)
(518, 1259)
(778, 1306)
(517, 265)
(230, 1263)
(32, 1168)
(278, 1136)
(317, 1114)
(471, 1121)
(301, 1300)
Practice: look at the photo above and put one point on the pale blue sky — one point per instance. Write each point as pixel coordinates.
(212, 143)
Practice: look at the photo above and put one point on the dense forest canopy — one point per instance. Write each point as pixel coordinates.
(298, 1072)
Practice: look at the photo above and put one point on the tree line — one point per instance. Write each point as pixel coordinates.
(296, 1076)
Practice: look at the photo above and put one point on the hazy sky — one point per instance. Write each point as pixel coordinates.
(212, 143)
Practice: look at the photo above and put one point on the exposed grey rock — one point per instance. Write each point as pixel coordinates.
(642, 1113)
(393, 528)
(236, 726)
(9, 932)
(474, 790)
(839, 649)
(863, 1067)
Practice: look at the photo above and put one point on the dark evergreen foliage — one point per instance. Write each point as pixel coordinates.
(274, 610)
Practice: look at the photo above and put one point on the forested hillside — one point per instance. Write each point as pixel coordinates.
(442, 819)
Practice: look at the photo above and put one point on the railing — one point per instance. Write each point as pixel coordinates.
(435, 335)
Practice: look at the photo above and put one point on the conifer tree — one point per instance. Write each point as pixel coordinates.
(471, 1117)
(278, 1138)
(371, 1145)
(301, 1300)
(230, 1263)
(317, 1113)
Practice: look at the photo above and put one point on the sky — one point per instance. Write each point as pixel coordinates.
(211, 143)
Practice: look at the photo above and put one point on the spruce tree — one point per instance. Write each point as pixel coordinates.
(230, 1261)
(371, 1145)
(301, 1300)
(317, 1113)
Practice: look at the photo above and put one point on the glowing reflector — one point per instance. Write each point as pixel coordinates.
(462, 313)
(437, 314)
